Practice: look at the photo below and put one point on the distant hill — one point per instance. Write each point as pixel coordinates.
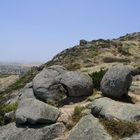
(15, 68)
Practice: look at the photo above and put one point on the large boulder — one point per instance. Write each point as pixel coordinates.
(116, 82)
(50, 132)
(110, 109)
(34, 111)
(76, 83)
(46, 87)
(89, 128)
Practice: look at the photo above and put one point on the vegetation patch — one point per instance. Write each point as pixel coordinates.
(74, 66)
(6, 109)
(94, 96)
(120, 129)
(97, 77)
(124, 50)
(75, 117)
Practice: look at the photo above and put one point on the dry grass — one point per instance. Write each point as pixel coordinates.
(120, 129)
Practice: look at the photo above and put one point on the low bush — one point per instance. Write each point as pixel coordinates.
(5, 109)
(97, 77)
(120, 129)
(75, 117)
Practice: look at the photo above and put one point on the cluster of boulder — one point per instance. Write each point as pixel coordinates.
(114, 85)
(36, 119)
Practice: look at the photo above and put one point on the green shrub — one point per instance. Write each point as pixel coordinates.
(77, 113)
(97, 77)
(120, 129)
(94, 96)
(75, 117)
(74, 66)
(5, 109)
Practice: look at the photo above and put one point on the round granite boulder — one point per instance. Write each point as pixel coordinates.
(116, 82)
(44, 85)
(76, 83)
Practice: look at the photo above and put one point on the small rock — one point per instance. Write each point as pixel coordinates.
(9, 117)
(83, 42)
(29, 85)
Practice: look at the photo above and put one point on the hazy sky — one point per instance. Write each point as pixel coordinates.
(36, 30)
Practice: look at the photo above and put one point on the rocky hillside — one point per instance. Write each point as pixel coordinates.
(95, 54)
(90, 91)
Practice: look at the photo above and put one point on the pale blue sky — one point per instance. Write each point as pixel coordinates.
(36, 30)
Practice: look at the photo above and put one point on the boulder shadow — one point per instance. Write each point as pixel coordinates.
(71, 100)
(125, 99)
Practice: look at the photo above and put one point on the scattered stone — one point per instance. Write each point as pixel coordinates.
(89, 128)
(29, 85)
(116, 82)
(135, 87)
(34, 111)
(110, 109)
(9, 117)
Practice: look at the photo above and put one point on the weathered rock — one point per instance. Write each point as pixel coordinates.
(9, 117)
(34, 111)
(46, 87)
(27, 93)
(135, 87)
(12, 132)
(116, 81)
(29, 85)
(110, 109)
(89, 128)
(76, 83)
(83, 42)
(58, 68)
(133, 137)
